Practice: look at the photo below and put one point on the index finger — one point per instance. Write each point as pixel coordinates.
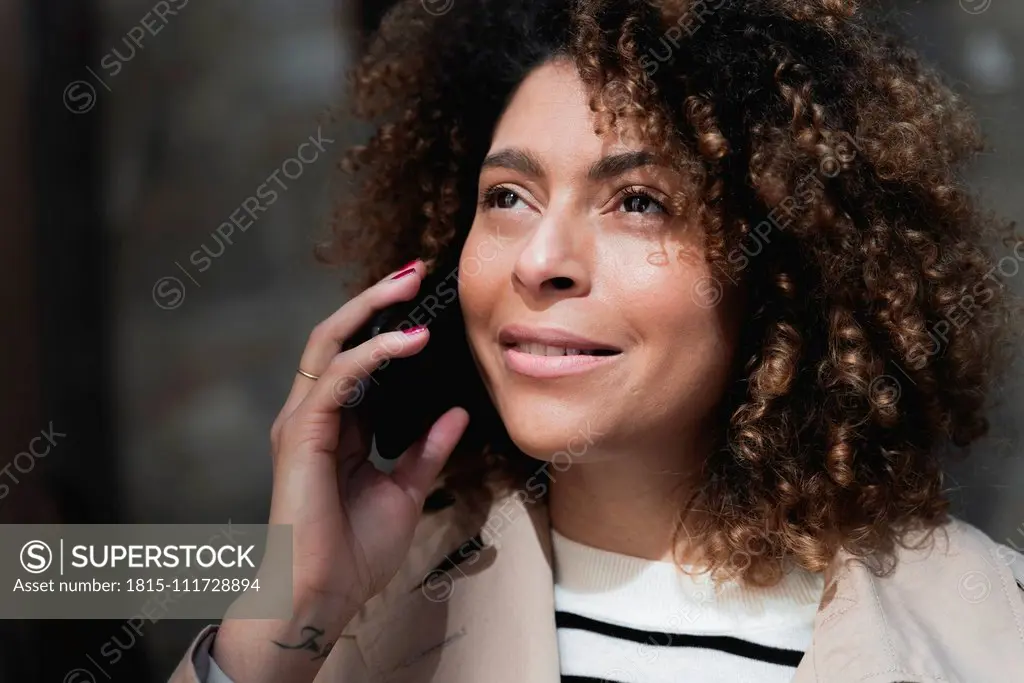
(327, 338)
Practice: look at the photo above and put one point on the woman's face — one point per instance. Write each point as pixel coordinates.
(572, 250)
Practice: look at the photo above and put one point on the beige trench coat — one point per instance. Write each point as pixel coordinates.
(952, 612)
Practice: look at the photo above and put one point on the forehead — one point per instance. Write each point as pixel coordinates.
(550, 114)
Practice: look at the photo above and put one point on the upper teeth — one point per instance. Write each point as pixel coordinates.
(545, 350)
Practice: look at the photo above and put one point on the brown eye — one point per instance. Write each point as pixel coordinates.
(506, 199)
(640, 202)
(500, 198)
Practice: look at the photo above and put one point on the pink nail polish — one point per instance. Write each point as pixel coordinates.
(403, 273)
(414, 330)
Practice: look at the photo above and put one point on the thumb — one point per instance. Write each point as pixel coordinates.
(418, 468)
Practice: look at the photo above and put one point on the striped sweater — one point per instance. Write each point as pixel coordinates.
(623, 619)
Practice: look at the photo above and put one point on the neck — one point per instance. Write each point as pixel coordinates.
(629, 505)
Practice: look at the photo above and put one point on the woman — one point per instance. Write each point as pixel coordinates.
(729, 298)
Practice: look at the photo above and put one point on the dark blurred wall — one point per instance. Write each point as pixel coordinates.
(19, 392)
(56, 316)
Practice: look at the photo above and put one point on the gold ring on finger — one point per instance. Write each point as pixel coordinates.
(308, 374)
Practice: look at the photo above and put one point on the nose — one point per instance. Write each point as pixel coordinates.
(554, 262)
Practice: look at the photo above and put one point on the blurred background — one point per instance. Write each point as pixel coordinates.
(160, 350)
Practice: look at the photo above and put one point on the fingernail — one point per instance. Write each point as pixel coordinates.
(403, 273)
(414, 330)
(409, 264)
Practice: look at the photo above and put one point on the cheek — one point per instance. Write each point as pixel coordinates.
(669, 291)
(686, 321)
(480, 281)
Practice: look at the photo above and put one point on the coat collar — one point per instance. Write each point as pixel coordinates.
(462, 611)
(951, 611)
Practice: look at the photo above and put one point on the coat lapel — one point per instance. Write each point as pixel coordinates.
(475, 604)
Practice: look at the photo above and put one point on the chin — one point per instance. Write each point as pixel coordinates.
(553, 433)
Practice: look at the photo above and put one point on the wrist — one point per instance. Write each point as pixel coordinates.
(288, 650)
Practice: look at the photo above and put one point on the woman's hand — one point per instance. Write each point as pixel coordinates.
(352, 524)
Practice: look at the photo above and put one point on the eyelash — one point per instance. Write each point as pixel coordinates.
(488, 197)
(636, 191)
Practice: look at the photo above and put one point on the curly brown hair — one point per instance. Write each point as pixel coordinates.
(825, 161)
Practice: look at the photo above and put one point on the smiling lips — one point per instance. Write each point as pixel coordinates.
(545, 352)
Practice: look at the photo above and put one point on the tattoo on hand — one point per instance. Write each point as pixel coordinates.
(310, 644)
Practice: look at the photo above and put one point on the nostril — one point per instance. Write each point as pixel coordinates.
(561, 282)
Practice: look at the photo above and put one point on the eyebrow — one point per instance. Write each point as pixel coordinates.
(617, 164)
(607, 167)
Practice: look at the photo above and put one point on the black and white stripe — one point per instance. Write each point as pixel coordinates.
(613, 653)
(623, 619)
(726, 644)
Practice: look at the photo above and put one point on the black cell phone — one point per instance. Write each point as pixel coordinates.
(403, 397)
